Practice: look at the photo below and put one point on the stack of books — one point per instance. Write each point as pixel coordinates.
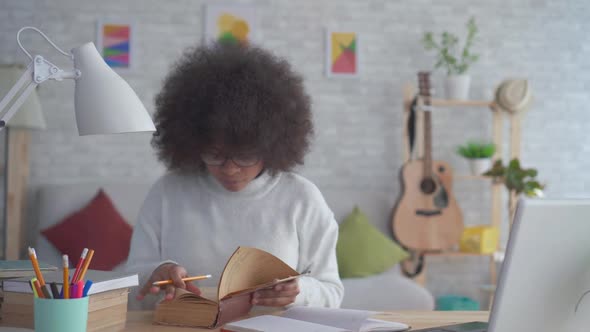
(21, 268)
(107, 303)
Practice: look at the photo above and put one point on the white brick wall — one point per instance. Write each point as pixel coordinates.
(358, 121)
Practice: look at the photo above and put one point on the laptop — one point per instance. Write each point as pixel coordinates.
(544, 283)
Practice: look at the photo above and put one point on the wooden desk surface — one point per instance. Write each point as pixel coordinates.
(141, 321)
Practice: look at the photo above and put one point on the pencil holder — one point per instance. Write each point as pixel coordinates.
(61, 315)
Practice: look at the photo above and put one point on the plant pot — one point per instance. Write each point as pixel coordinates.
(480, 165)
(457, 87)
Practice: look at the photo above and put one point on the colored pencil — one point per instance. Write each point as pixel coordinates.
(33, 257)
(66, 281)
(85, 266)
(79, 265)
(170, 282)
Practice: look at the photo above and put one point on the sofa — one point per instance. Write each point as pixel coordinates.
(389, 290)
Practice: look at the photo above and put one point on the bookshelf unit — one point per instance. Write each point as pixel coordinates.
(499, 117)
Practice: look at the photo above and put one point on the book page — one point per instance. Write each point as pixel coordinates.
(261, 286)
(183, 295)
(354, 320)
(250, 267)
(187, 309)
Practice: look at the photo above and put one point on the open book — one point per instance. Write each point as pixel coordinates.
(246, 271)
(298, 319)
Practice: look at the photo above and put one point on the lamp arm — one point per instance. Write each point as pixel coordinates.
(38, 71)
(44, 70)
(21, 90)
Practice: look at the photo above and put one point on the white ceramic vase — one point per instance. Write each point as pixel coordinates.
(457, 87)
(479, 166)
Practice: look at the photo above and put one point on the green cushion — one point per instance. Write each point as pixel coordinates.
(362, 250)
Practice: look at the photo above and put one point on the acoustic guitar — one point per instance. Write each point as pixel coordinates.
(427, 217)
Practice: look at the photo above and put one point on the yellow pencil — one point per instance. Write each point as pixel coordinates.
(33, 257)
(33, 286)
(66, 285)
(170, 282)
(85, 266)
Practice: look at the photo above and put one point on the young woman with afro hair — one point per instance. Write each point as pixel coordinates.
(232, 122)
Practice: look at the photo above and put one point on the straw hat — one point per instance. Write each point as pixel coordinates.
(514, 95)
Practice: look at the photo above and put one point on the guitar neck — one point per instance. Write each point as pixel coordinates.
(427, 139)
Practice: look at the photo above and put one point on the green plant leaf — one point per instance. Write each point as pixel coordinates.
(531, 188)
(474, 150)
(497, 170)
(515, 178)
(449, 57)
(514, 182)
(428, 41)
(514, 164)
(462, 68)
(439, 63)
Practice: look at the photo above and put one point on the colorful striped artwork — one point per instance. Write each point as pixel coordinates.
(342, 58)
(116, 49)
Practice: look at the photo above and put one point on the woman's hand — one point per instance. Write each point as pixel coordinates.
(278, 296)
(167, 271)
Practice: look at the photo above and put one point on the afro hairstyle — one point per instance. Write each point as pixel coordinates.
(233, 95)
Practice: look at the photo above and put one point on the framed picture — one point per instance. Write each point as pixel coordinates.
(115, 43)
(342, 54)
(231, 23)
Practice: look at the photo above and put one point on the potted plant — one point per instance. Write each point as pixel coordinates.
(517, 180)
(455, 61)
(479, 156)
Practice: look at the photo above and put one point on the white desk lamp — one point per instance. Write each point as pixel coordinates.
(30, 115)
(104, 102)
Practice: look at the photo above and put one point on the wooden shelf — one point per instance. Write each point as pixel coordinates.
(477, 177)
(488, 288)
(472, 177)
(460, 103)
(498, 120)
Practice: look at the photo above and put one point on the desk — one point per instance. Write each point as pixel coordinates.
(140, 321)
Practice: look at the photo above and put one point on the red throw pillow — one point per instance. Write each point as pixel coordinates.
(97, 226)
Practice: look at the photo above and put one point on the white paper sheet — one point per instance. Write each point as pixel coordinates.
(352, 320)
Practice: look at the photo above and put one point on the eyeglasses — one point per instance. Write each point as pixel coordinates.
(240, 159)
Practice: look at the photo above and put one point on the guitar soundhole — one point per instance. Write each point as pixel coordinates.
(441, 169)
(427, 186)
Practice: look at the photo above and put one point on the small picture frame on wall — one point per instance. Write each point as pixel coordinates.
(342, 53)
(234, 23)
(114, 43)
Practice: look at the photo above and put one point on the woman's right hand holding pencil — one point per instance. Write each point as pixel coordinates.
(167, 271)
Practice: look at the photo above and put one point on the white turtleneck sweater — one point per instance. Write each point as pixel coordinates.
(195, 222)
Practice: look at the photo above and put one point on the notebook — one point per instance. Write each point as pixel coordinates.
(298, 319)
(21, 268)
(102, 281)
(247, 270)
